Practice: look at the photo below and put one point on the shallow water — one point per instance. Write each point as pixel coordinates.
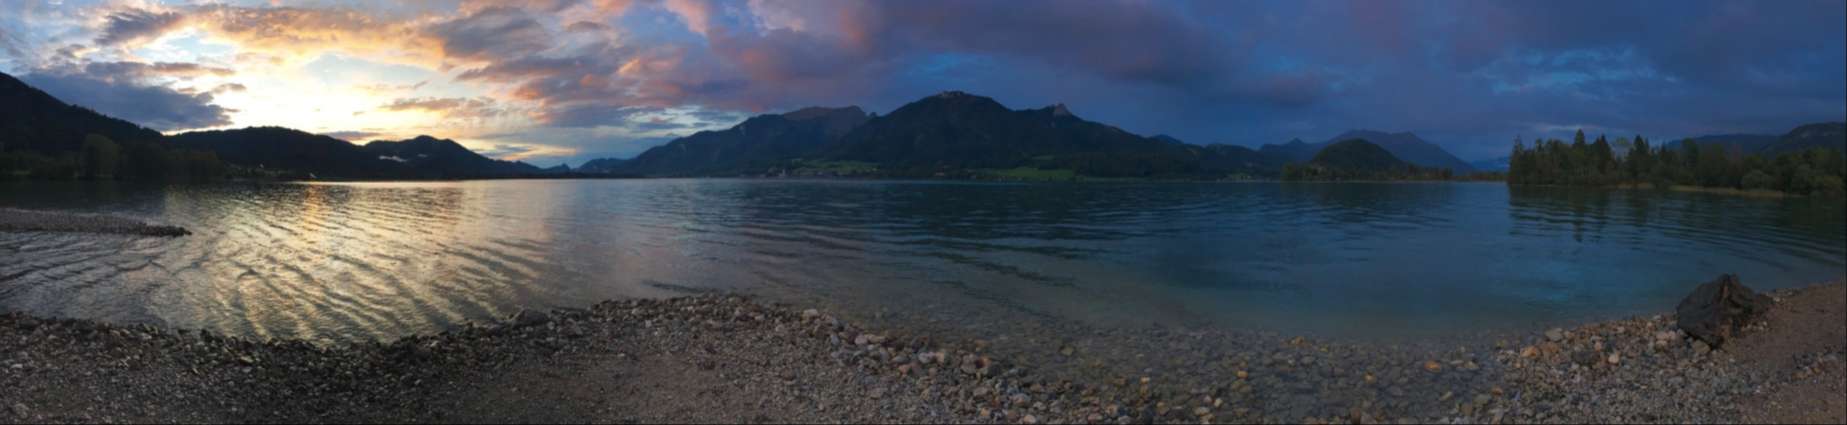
(341, 262)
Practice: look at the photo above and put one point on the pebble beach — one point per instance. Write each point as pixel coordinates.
(730, 358)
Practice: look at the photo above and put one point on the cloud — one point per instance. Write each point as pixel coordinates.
(140, 70)
(282, 34)
(156, 107)
(136, 25)
(9, 47)
(573, 73)
(492, 33)
(506, 151)
(449, 107)
(227, 88)
(352, 135)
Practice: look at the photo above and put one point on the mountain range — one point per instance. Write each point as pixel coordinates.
(36, 122)
(950, 134)
(960, 134)
(32, 120)
(1406, 146)
(1359, 155)
(1830, 135)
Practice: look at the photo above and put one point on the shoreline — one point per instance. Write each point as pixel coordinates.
(720, 358)
(22, 220)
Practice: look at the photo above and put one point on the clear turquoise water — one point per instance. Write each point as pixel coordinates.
(355, 261)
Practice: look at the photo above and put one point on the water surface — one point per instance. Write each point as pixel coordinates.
(342, 262)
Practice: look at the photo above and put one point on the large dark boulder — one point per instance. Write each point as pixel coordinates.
(1718, 309)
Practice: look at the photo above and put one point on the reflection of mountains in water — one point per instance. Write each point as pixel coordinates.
(345, 262)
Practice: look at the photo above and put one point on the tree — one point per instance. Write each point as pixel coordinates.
(1639, 160)
(100, 156)
(1758, 180)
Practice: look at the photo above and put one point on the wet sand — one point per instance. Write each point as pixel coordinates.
(728, 359)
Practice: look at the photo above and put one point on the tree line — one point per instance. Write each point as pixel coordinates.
(100, 158)
(1312, 172)
(1816, 171)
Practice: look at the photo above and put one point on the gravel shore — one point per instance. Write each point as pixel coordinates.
(18, 220)
(722, 358)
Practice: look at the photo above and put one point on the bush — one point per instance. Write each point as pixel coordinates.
(1826, 185)
(1758, 180)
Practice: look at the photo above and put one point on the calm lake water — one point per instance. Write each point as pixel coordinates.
(342, 262)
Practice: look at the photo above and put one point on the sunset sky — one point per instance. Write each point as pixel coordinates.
(570, 80)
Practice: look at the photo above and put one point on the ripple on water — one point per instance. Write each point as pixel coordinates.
(348, 262)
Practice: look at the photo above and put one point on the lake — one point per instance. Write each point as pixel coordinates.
(345, 262)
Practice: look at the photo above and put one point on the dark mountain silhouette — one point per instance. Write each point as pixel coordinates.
(758, 143)
(36, 123)
(949, 133)
(1740, 144)
(292, 151)
(1404, 145)
(429, 157)
(1295, 150)
(602, 165)
(1497, 164)
(1359, 155)
(1830, 135)
(32, 120)
(298, 153)
(1241, 159)
(958, 130)
(1360, 159)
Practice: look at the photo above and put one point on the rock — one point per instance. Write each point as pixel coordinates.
(1717, 309)
(1529, 352)
(811, 314)
(529, 318)
(1700, 347)
(1584, 357)
(1555, 334)
(1029, 419)
(1201, 411)
(1614, 359)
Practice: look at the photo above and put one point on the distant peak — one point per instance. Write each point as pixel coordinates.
(952, 100)
(1059, 110)
(821, 111)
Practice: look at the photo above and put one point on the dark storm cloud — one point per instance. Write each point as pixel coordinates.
(130, 25)
(492, 33)
(1469, 75)
(156, 107)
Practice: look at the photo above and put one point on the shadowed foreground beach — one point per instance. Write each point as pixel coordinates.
(732, 359)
